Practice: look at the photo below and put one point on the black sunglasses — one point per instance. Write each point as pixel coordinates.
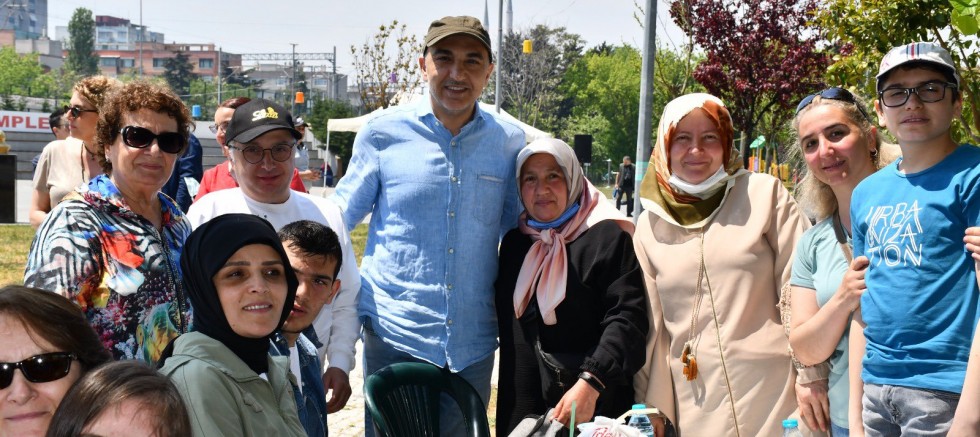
(39, 368)
(141, 137)
(75, 111)
(833, 93)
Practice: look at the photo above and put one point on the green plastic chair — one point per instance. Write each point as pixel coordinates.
(403, 400)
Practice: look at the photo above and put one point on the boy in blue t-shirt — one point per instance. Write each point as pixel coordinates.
(920, 309)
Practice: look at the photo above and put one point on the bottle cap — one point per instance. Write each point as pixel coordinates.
(639, 406)
(791, 423)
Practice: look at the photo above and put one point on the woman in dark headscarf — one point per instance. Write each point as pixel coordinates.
(241, 288)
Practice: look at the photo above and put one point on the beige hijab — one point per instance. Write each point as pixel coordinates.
(544, 273)
(659, 195)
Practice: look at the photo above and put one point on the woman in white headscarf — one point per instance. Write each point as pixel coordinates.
(570, 299)
(715, 243)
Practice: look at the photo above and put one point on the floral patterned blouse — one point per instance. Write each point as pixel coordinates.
(112, 262)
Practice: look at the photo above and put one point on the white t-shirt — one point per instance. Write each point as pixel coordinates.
(294, 367)
(337, 325)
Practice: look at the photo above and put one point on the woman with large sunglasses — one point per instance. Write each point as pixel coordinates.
(240, 282)
(66, 164)
(47, 346)
(841, 147)
(113, 246)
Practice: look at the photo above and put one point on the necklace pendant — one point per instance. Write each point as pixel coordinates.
(690, 362)
(691, 368)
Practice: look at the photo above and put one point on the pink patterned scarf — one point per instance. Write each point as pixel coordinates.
(544, 272)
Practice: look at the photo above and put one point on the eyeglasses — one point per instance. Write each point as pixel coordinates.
(141, 137)
(928, 93)
(76, 111)
(218, 127)
(833, 93)
(254, 154)
(39, 368)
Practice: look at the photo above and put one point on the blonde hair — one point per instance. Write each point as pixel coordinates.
(817, 198)
(95, 89)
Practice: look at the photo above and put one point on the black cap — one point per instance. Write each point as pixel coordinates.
(256, 118)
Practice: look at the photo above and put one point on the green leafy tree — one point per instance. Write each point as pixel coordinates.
(862, 32)
(341, 143)
(386, 65)
(18, 72)
(82, 58)
(178, 72)
(606, 87)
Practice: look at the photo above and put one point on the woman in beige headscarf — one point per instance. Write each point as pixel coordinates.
(715, 243)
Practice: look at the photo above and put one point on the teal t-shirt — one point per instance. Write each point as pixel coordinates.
(820, 265)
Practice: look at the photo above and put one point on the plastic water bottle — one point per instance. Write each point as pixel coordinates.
(640, 421)
(791, 428)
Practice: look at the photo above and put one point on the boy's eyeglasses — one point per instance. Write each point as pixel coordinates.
(39, 368)
(833, 93)
(76, 111)
(928, 93)
(141, 137)
(253, 154)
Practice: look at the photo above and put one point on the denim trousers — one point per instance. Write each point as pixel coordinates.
(839, 431)
(378, 354)
(891, 410)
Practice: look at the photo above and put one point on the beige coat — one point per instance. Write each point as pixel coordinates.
(745, 385)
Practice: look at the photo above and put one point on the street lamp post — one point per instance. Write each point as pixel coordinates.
(608, 171)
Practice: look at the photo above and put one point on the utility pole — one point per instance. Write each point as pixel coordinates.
(142, 32)
(500, 53)
(336, 83)
(221, 71)
(292, 83)
(646, 99)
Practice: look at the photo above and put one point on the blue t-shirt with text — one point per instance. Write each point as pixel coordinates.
(921, 304)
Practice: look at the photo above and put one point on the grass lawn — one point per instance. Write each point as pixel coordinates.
(15, 241)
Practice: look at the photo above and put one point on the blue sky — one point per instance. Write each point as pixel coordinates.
(253, 26)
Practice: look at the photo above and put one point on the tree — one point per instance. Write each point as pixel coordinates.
(387, 65)
(81, 57)
(178, 72)
(531, 80)
(605, 89)
(862, 32)
(341, 143)
(761, 56)
(19, 72)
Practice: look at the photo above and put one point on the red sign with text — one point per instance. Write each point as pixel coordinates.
(15, 121)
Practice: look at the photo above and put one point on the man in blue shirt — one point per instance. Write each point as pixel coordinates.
(438, 179)
(315, 255)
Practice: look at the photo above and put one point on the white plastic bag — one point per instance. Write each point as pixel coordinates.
(606, 427)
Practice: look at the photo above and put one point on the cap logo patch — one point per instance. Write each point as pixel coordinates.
(264, 113)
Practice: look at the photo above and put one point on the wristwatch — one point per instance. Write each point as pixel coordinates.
(592, 380)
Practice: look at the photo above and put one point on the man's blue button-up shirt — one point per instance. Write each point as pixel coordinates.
(439, 205)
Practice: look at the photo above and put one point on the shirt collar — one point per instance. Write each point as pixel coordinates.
(424, 112)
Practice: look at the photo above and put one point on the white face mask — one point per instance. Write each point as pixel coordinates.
(705, 187)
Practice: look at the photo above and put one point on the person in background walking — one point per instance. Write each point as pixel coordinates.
(625, 181)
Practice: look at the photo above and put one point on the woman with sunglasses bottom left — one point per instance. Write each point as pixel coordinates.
(48, 345)
(113, 246)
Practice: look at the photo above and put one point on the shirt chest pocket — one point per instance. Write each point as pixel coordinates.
(486, 199)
